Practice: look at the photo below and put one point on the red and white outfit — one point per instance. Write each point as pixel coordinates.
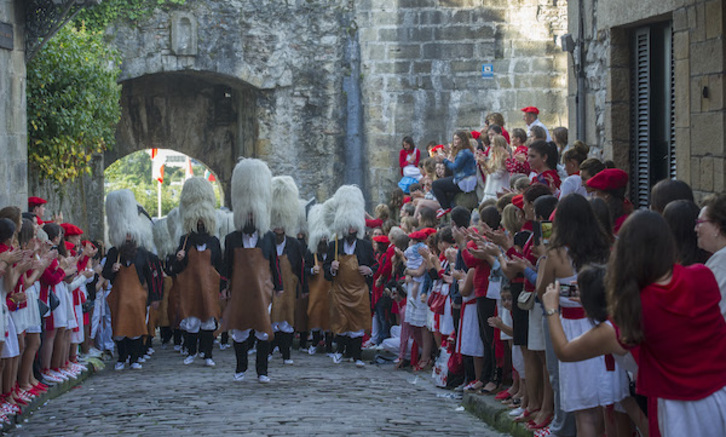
(469, 342)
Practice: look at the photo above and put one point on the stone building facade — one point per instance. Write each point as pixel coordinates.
(13, 130)
(653, 88)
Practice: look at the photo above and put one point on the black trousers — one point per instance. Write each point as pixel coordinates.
(263, 350)
(349, 347)
(166, 334)
(485, 308)
(445, 190)
(284, 342)
(130, 349)
(177, 337)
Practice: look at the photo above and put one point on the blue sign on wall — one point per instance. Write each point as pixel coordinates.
(487, 71)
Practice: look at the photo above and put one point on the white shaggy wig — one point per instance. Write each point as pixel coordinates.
(197, 203)
(252, 193)
(349, 211)
(285, 210)
(225, 225)
(146, 229)
(164, 244)
(318, 228)
(174, 225)
(329, 215)
(302, 220)
(125, 218)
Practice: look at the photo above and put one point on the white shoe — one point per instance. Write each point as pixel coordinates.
(189, 359)
(337, 358)
(239, 376)
(312, 350)
(177, 347)
(359, 364)
(94, 353)
(251, 351)
(516, 412)
(141, 360)
(264, 379)
(136, 366)
(209, 362)
(288, 362)
(224, 346)
(147, 357)
(150, 351)
(120, 366)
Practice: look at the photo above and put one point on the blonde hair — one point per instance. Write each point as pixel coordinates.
(498, 154)
(512, 218)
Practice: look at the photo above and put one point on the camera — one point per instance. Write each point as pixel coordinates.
(569, 290)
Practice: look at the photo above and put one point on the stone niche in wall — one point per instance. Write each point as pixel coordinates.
(183, 34)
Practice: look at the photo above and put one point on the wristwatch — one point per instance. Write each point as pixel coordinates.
(551, 312)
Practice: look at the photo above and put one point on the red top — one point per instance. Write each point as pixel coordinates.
(549, 178)
(403, 158)
(374, 223)
(683, 356)
(505, 134)
(482, 269)
(514, 166)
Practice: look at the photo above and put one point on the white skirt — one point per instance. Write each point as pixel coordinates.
(446, 327)
(11, 348)
(588, 384)
(415, 309)
(518, 361)
(77, 337)
(704, 417)
(469, 342)
(60, 313)
(535, 336)
(33, 313)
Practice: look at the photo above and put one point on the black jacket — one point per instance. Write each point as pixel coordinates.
(363, 252)
(294, 251)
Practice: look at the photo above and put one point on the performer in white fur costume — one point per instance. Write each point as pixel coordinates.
(250, 266)
(284, 221)
(318, 310)
(350, 265)
(197, 264)
(165, 250)
(130, 267)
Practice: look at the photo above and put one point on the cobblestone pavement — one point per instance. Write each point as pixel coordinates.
(312, 397)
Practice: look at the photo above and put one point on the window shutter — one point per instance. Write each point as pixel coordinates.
(672, 90)
(641, 107)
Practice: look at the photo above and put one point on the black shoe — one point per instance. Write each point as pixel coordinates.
(46, 382)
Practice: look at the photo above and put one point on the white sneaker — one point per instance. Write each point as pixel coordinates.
(141, 360)
(147, 357)
(189, 359)
(136, 366)
(251, 351)
(184, 352)
(337, 358)
(264, 379)
(120, 366)
(359, 364)
(288, 362)
(150, 351)
(224, 346)
(177, 347)
(209, 362)
(94, 353)
(239, 376)
(516, 412)
(312, 350)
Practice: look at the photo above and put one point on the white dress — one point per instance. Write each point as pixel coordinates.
(33, 312)
(469, 341)
(416, 311)
(495, 182)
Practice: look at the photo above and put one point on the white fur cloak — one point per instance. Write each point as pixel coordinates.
(318, 228)
(349, 211)
(124, 217)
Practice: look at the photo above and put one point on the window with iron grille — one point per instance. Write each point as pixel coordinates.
(652, 107)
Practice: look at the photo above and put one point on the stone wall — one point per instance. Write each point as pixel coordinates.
(698, 50)
(422, 71)
(13, 131)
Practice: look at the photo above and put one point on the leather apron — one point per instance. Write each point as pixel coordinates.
(163, 311)
(283, 305)
(127, 301)
(172, 310)
(199, 287)
(319, 300)
(250, 292)
(350, 308)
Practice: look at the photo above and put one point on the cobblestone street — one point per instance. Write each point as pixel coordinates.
(313, 397)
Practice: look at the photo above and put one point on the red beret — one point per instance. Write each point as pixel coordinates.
(518, 201)
(69, 245)
(418, 235)
(35, 201)
(437, 147)
(475, 134)
(531, 109)
(381, 239)
(608, 179)
(71, 230)
(86, 243)
(429, 231)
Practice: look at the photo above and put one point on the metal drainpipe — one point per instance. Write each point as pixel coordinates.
(580, 71)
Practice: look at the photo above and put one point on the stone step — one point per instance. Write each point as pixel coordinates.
(494, 414)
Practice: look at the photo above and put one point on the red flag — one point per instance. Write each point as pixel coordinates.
(157, 166)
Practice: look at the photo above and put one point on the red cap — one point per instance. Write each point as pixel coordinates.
(608, 179)
(381, 239)
(71, 230)
(35, 201)
(418, 235)
(437, 147)
(428, 231)
(532, 109)
(86, 243)
(475, 134)
(518, 201)
(69, 245)
(406, 199)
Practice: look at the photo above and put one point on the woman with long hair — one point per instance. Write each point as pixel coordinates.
(671, 314)
(497, 176)
(463, 164)
(542, 158)
(587, 386)
(682, 216)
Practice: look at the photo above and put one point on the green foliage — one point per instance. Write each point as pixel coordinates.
(133, 172)
(99, 17)
(73, 104)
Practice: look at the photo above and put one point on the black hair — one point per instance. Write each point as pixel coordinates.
(602, 212)
(27, 231)
(7, 229)
(591, 282)
(681, 216)
(496, 128)
(544, 206)
(577, 229)
(445, 234)
(54, 230)
(668, 190)
(547, 148)
(535, 191)
(491, 216)
(461, 217)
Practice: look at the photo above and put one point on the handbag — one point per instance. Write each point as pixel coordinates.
(43, 308)
(53, 300)
(437, 302)
(525, 301)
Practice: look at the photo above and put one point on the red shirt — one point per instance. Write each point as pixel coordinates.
(482, 269)
(683, 356)
(403, 158)
(549, 178)
(514, 166)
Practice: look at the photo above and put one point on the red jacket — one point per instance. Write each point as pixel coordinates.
(403, 161)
